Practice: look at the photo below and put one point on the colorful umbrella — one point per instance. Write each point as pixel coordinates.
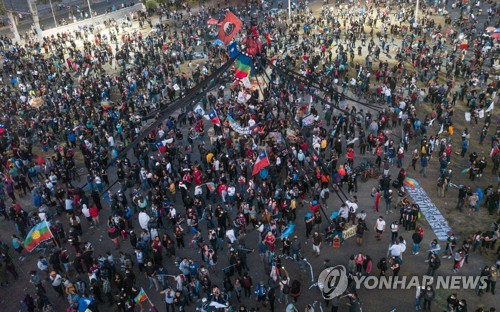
(106, 104)
(496, 35)
(491, 28)
(411, 183)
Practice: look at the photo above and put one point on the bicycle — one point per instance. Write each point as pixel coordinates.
(367, 170)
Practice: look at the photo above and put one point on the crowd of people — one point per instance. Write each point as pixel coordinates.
(77, 143)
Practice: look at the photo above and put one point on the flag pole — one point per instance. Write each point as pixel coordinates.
(53, 237)
(149, 300)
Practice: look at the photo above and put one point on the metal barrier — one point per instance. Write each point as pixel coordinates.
(97, 20)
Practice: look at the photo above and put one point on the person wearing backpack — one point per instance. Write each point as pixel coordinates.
(284, 285)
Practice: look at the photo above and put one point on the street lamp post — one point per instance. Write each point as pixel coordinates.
(53, 15)
(36, 20)
(13, 26)
(415, 23)
(90, 11)
(289, 9)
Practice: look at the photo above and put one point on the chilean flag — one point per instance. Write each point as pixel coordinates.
(261, 163)
(2, 128)
(212, 115)
(162, 146)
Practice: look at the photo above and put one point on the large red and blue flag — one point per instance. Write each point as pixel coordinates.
(214, 118)
(261, 163)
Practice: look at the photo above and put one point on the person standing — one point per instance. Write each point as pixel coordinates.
(317, 243)
(417, 239)
(94, 214)
(379, 227)
(492, 279)
(56, 281)
(394, 230)
(429, 295)
(295, 290)
(295, 246)
(169, 299)
(418, 298)
(424, 162)
(434, 263)
(261, 292)
(18, 246)
(247, 284)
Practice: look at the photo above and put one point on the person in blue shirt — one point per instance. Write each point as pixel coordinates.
(465, 147)
(18, 246)
(261, 292)
(72, 139)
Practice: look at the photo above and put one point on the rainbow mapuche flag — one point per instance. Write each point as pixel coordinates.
(38, 234)
(141, 296)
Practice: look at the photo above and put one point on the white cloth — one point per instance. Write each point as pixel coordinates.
(144, 220)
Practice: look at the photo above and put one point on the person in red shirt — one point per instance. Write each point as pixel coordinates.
(197, 175)
(350, 156)
(94, 214)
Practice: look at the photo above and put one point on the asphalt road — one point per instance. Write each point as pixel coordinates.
(47, 20)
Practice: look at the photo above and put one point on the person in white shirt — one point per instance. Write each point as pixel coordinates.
(380, 227)
(56, 281)
(402, 246)
(86, 213)
(394, 231)
(353, 207)
(395, 249)
(111, 141)
(344, 211)
(68, 204)
(231, 193)
(144, 219)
